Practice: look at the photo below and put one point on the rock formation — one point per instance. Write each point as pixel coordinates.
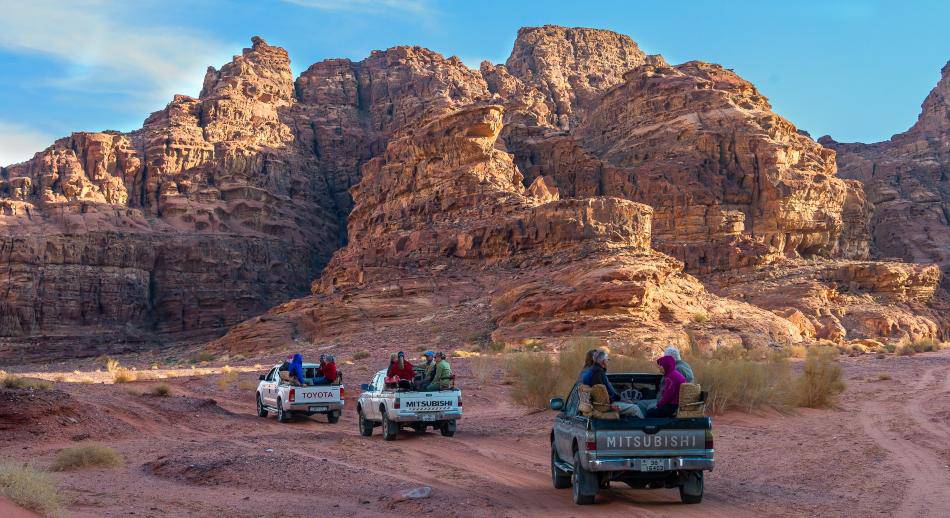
(532, 199)
(907, 180)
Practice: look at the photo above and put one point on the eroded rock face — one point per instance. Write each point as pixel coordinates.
(218, 208)
(907, 180)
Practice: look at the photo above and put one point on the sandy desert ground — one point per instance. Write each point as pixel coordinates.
(202, 451)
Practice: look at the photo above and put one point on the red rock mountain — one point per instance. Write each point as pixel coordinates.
(907, 179)
(581, 188)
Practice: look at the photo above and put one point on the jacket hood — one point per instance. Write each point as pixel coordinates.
(667, 362)
(298, 359)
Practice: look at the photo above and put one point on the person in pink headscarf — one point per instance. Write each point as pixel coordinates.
(670, 394)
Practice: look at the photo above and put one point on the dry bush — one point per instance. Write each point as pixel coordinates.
(699, 318)
(820, 382)
(743, 384)
(360, 355)
(227, 378)
(86, 456)
(17, 382)
(906, 350)
(884, 377)
(29, 488)
(162, 390)
(119, 373)
(485, 369)
(535, 379)
(203, 356)
(247, 384)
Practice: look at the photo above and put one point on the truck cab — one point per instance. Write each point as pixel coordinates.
(645, 453)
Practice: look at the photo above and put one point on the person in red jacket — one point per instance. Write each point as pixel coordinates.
(401, 367)
(326, 373)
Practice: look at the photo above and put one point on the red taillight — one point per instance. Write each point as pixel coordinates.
(341, 392)
(293, 395)
(709, 440)
(591, 445)
(396, 404)
(460, 401)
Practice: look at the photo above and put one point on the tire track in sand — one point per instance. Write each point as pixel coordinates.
(927, 475)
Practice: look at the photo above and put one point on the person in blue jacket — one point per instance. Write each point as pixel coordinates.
(296, 368)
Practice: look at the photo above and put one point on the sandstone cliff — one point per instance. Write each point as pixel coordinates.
(907, 180)
(532, 199)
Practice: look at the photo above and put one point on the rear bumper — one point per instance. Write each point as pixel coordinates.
(413, 417)
(633, 463)
(305, 407)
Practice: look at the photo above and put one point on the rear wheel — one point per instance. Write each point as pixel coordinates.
(261, 409)
(448, 429)
(691, 491)
(366, 427)
(390, 429)
(584, 483)
(282, 416)
(333, 416)
(560, 478)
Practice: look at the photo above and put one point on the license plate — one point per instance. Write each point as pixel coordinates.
(318, 409)
(652, 465)
(428, 417)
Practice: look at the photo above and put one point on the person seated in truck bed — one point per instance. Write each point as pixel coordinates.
(284, 370)
(681, 366)
(326, 373)
(428, 371)
(442, 378)
(670, 396)
(296, 370)
(596, 374)
(400, 370)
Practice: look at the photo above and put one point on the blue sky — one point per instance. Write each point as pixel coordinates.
(855, 70)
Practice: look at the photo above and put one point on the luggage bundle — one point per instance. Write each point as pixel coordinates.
(595, 402)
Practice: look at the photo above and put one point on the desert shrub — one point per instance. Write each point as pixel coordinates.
(906, 350)
(890, 347)
(820, 382)
(535, 379)
(699, 318)
(29, 488)
(484, 369)
(17, 382)
(203, 356)
(797, 351)
(227, 377)
(883, 377)
(162, 390)
(360, 355)
(743, 384)
(247, 384)
(926, 345)
(86, 456)
(119, 373)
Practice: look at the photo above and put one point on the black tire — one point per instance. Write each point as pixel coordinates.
(691, 491)
(390, 429)
(560, 478)
(333, 416)
(366, 427)
(584, 490)
(282, 416)
(448, 429)
(261, 409)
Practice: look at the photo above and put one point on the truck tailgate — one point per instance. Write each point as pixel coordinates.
(429, 401)
(663, 442)
(316, 394)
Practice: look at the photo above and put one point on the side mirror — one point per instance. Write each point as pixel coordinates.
(262, 377)
(557, 403)
(365, 387)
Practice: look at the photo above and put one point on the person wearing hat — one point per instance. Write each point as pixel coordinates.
(401, 367)
(442, 378)
(428, 370)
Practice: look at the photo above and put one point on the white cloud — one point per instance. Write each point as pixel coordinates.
(106, 48)
(19, 142)
(365, 6)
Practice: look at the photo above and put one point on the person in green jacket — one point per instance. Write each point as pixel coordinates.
(442, 380)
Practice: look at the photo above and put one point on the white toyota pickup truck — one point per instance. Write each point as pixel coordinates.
(286, 400)
(393, 408)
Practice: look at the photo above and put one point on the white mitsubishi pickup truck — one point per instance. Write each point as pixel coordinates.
(286, 400)
(394, 408)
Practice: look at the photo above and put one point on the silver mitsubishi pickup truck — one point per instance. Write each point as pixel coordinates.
(587, 454)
